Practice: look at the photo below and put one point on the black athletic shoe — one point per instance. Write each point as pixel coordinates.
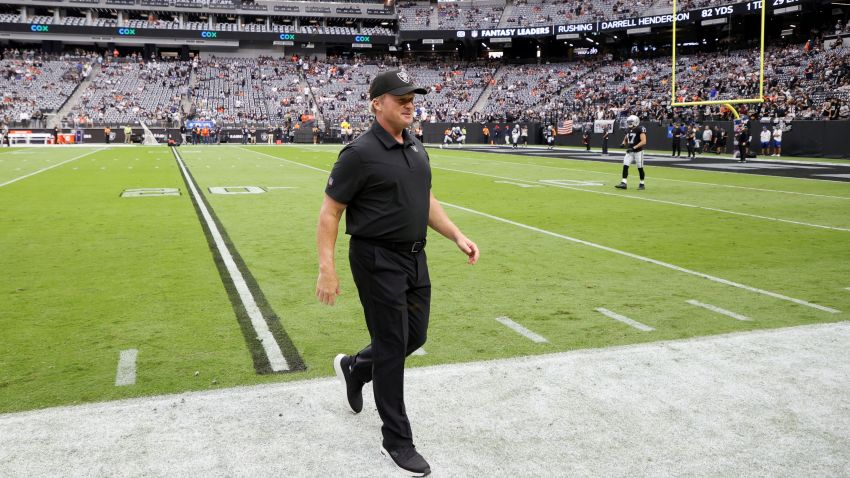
(408, 460)
(353, 387)
(621, 186)
(641, 187)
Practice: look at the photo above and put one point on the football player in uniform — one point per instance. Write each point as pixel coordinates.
(550, 137)
(447, 138)
(634, 141)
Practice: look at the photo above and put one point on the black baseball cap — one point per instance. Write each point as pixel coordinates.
(395, 82)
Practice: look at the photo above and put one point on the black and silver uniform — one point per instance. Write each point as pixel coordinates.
(633, 136)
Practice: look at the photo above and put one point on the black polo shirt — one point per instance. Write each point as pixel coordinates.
(385, 184)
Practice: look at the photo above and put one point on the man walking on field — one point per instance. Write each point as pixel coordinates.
(382, 181)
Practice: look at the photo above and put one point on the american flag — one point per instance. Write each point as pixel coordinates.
(566, 127)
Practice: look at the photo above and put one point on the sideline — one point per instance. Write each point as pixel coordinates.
(733, 405)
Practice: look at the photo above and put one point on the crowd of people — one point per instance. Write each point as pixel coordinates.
(802, 82)
(34, 84)
(131, 89)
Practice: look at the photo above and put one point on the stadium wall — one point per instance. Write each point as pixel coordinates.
(819, 139)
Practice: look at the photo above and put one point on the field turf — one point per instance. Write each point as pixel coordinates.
(88, 273)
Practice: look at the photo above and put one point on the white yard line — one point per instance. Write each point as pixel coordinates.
(617, 251)
(539, 339)
(654, 178)
(640, 198)
(126, 374)
(714, 308)
(270, 345)
(50, 167)
(624, 319)
(419, 351)
(647, 259)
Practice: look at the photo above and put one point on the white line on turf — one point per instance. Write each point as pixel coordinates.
(624, 319)
(714, 308)
(126, 374)
(270, 345)
(654, 178)
(617, 251)
(419, 351)
(660, 201)
(286, 160)
(521, 330)
(50, 167)
(647, 259)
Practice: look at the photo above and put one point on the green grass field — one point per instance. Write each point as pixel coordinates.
(88, 273)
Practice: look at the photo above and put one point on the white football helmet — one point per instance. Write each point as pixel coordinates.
(632, 121)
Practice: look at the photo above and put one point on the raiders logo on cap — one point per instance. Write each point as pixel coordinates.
(394, 82)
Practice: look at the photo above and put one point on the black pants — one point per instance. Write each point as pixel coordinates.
(677, 147)
(395, 291)
(604, 146)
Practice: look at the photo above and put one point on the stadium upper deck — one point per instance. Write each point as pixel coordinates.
(336, 18)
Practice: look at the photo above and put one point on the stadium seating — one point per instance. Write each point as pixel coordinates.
(342, 90)
(228, 90)
(463, 15)
(32, 85)
(415, 16)
(554, 12)
(453, 89)
(126, 91)
(524, 91)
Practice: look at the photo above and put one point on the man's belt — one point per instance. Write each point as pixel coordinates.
(410, 247)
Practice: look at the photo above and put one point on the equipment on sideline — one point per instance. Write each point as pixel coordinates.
(148, 139)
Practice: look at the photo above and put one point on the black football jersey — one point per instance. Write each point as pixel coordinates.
(633, 136)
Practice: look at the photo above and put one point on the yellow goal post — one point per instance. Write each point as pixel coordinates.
(727, 103)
